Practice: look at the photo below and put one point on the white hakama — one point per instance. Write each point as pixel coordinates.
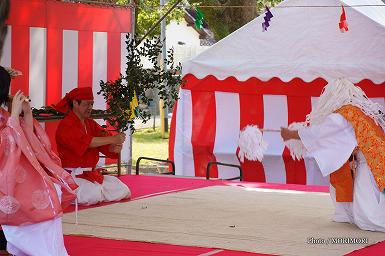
(88, 193)
(331, 143)
(40, 239)
(112, 189)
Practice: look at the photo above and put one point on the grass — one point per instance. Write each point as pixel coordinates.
(149, 143)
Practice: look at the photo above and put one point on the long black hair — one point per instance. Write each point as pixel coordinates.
(5, 82)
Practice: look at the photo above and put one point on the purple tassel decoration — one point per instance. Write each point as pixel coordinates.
(268, 16)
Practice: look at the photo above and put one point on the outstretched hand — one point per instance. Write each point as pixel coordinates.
(288, 134)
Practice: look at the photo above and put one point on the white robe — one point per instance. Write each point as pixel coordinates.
(40, 239)
(331, 143)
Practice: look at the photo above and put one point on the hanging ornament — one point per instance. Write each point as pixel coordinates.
(343, 24)
(267, 18)
(133, 111)
(199, 18)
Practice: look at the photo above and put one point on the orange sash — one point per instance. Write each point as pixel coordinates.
(342, 181)
(371, 141)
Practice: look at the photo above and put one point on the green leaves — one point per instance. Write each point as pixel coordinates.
(138, 80)
(148, 12)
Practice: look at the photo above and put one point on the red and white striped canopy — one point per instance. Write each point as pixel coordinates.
(272, 79)
(59, 46)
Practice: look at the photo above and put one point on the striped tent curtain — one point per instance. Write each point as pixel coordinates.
(59, 46)
(210, 113)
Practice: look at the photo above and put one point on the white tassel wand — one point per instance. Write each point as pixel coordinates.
(252, 146)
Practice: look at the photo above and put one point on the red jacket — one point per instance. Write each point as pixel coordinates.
(73, 140)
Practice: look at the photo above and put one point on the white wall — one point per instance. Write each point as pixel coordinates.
(180, 32)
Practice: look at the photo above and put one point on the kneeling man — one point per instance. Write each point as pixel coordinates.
(79, 140)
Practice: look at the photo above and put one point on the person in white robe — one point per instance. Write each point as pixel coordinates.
(331, 140)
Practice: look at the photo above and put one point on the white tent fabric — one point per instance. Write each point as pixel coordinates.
(302, 42)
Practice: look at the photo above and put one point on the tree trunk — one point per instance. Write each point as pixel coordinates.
(240, 15)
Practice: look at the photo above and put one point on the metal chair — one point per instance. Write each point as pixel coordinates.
(224, 164)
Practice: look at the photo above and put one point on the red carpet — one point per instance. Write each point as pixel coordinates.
(83, 246)
(145, 186)
(296, 187)
(373, 250)
(79, 245)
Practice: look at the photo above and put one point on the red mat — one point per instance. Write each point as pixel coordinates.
(296, 187)
(146, 186)
(373, 250)
(78, 245)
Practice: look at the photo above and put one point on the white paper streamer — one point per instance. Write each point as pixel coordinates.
(251, 144)
(296, 147)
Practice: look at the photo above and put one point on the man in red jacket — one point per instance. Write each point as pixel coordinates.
(79, 141)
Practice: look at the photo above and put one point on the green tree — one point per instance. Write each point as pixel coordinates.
(221, 20)
(148, 12)
(123, 92)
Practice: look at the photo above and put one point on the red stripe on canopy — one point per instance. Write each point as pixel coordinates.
(20, 58)
(203, 131)
(171, 143)
(113, 69)
(54, 76)
(251, 113)
(298, 108)
(85, 59)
